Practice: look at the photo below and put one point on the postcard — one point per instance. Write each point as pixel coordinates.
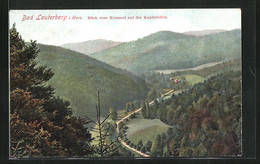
(125, 83)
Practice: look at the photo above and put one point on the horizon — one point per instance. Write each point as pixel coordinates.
(88, 24)
(151, 34)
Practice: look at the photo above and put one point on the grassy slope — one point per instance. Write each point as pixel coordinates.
(210, 71)
(191, 79)
(168, 50)
(144, 129)
(79, 77)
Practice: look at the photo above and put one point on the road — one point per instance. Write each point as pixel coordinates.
(135, 111)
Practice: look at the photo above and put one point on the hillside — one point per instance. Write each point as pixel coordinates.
(91, 46)
(206, 119)
(78, 78)
(203, 32)
(169, 50)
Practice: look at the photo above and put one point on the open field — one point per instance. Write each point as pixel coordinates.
(190, 78)
(144, 129)
(194, 68)
(193, 79)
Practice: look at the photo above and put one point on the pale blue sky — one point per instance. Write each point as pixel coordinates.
(57, 32)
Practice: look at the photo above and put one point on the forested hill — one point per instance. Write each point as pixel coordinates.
(206, 119)
(78, 77)
(169, 50)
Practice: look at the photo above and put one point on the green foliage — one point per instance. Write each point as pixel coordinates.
(148, 145)
(40, 123)
(146, 110)
(131, 106)
(166, 151)
(131, 145)
(185, 152)
(205, 119)
(156, 147)
(152, 94)
(139, 145)
(106, 134)
(113, 114)
(143, 149)
(78, 77)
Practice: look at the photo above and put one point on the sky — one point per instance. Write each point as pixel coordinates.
(62, 31)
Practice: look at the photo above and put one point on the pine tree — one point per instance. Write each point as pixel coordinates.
(132, 106)
(156, 147)
(127, 107)
(139, 145)
(105, 147)
(143, 149)
(166, 152)
(152, 94)
(143, 110)
(148, 110)
(148, 144)
(40, 123)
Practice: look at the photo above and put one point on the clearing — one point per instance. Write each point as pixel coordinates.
(193, 79)
(194, 68)
(144, 129)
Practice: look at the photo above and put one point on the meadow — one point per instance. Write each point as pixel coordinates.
(144, 129)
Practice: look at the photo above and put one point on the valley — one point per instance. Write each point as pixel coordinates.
(109, 84)
(128, 80)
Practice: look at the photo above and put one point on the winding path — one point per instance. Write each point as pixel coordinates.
(117, 127)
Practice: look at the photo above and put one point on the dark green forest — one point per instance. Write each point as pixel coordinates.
(206, 119)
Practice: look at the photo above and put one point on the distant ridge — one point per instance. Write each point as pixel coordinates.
(204, 32)
(166, 50)
(92, 46)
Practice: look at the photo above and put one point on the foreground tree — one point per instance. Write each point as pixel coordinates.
(107, 144)
(40, 123)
